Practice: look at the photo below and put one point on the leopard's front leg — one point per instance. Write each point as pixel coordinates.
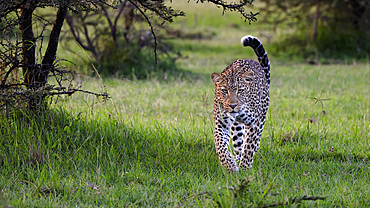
(221, 135)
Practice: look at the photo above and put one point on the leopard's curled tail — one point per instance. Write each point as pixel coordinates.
(260, 52)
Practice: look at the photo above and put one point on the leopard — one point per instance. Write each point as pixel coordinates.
(240, 106)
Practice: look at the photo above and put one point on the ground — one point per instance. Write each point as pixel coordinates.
(151, 143)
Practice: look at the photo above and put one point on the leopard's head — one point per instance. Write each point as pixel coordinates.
(233, 91)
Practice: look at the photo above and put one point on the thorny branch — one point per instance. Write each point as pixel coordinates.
(151, 28)
(17, 52)
(251, 17)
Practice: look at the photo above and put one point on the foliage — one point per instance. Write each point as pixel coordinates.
(331, 13)
(134, 63)
(320, 30)
(343, 47)
(125, 51)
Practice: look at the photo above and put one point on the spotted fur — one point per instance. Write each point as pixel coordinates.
(240, 107)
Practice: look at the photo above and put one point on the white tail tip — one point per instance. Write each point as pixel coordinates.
(245, 40)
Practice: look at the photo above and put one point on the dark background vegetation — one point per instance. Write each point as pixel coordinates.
(321, 31)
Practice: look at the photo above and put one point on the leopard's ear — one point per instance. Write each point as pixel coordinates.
(248, 77)
(216, 78)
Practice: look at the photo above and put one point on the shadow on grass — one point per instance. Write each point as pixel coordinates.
(85, 143)
(58, 137)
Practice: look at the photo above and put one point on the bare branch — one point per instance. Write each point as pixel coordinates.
(72, 91)
(74, 33)
(151, 29)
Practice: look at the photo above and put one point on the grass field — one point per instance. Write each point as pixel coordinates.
(151, 144)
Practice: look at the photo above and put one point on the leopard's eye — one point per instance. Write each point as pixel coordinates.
(240, 91)
(225, 91)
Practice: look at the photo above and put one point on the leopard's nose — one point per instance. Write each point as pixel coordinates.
(233, 105)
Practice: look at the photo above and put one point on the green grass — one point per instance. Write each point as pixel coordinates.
(151, 143)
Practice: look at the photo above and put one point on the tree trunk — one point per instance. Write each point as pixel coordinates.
(35, 76)
(316, 19)
(28, 46)
(50, 54)
(358, 10)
